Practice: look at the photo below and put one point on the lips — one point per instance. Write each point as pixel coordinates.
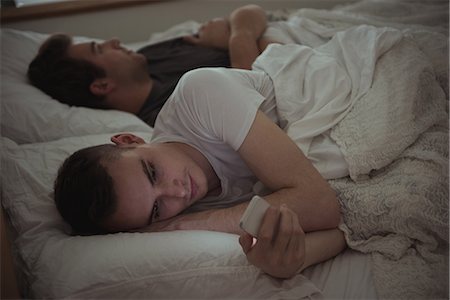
(193, 189)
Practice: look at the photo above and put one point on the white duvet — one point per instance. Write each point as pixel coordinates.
(389, 116)
(316, 87)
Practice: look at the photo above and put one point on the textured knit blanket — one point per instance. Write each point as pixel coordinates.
(395, 141)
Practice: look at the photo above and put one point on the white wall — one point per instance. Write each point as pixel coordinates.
(136, 23)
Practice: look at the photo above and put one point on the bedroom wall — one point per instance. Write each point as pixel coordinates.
(136, 23)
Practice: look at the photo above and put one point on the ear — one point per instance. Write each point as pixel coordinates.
(101, 86)
(126, 139)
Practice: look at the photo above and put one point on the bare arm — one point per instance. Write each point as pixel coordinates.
(291, 176)
(322, 245)
(240, 34)
(247, 25)
(283, 249)
(286, 171)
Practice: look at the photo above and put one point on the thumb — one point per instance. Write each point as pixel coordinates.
(246, 241)
(193, 39)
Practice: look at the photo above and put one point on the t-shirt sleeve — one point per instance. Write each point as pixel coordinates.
(218, 104)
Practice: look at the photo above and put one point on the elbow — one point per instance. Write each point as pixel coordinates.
(249, 9)
(333, 209)
(249, 18)
(241, 65)
(323, 211)
(252, 8)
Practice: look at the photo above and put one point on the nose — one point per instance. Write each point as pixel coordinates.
(175, 189)
(172, 198)
(113, 43)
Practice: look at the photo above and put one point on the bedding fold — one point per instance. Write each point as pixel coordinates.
(394, 138)
(316, 87)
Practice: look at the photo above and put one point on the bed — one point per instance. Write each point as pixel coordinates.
(394, 202)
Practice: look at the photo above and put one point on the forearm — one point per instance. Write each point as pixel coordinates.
(243, 51)
(263, 43)
(223, 220)
(247, 24)
(313, 216)
(283, 249)
(315, 204)
(289, 173)
(322, 245)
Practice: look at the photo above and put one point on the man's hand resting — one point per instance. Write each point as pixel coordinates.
(280, 248)
(214, 33)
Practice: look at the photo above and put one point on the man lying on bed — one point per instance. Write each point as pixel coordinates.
(215, 137)
(108, 76)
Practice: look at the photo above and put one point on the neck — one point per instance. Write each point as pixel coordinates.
(130, 98)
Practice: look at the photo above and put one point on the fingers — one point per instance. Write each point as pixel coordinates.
(277, 228)
(195, 38)
(280, 247)
(192, 39)
(295, 250)
(285, 232)
(246, 241)
(269, 227)
(298, 243)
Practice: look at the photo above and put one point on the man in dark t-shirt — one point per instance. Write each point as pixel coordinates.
(108, 76)
(167, 62)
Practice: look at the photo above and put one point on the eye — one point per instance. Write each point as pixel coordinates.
(96, 48)
(149, 170)
(155, 212)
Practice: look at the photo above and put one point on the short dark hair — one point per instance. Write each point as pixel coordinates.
(64, 78)
(84, 191)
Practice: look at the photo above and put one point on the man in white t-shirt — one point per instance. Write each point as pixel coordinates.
(214, 139)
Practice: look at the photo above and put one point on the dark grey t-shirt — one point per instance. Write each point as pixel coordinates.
(167, 62)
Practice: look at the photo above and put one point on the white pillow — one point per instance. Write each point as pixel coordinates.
(178, 264)
(28, 115)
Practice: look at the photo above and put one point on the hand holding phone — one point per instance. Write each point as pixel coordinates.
(253, 215)
(279, 250)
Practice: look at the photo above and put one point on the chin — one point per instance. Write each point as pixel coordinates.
(141, 58)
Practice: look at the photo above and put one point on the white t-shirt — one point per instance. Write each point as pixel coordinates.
(212, 110)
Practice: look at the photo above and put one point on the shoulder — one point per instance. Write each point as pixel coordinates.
(204, 85)
(219, 79)
(199, 93)
(203, 76)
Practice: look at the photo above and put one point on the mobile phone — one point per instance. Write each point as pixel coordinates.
(253, 215)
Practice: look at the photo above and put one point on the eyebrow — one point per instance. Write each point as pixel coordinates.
(93, 50)
(145, 168)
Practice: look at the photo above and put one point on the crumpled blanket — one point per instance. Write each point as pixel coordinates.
(395, 140)
(394, 137)
(316, 87)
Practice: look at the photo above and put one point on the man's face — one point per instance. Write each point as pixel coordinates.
(153, 182)
(118, 62)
